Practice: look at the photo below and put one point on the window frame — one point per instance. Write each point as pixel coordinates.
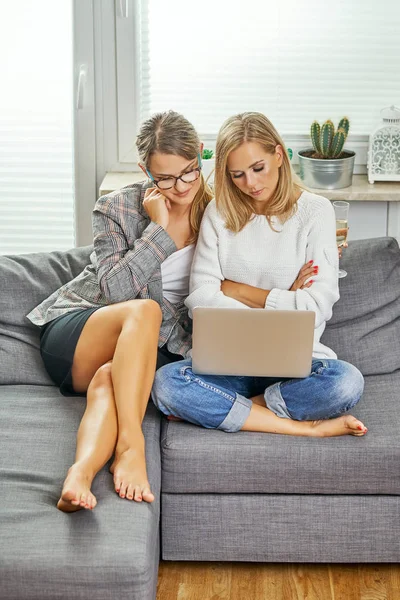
(84, 120)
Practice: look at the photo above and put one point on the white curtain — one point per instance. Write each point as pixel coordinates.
(294, 61)
(36, 126)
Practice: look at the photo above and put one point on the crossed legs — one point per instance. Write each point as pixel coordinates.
(114, 362)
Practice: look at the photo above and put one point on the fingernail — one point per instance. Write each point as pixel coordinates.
(315, 269)
(310, 262)
(311, 281)
(360, 427)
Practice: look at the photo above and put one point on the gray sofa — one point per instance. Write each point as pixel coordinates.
(225, 497)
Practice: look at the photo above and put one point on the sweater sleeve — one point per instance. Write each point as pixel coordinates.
(206, 275)
(126, 257)
(322, 248)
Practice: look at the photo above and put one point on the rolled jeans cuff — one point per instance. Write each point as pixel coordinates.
(237, 416)
(275, 402)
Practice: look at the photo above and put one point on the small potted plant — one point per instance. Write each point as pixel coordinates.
(327, 165)
(208, 162)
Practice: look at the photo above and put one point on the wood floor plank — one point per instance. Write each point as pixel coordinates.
(169, 574)
(393, 582)
(345, 582)
(252, 580)
(201, 581)
(307, 582)
(374, 582)
(277, 581)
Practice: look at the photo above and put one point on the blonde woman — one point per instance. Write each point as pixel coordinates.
(254, 237)
(105, 332)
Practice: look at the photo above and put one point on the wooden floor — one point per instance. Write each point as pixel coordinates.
(252, 581)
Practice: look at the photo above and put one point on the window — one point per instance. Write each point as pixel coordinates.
(295, 62)
(38, 130)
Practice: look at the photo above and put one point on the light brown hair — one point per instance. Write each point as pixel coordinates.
(235, 206)
(170, 133)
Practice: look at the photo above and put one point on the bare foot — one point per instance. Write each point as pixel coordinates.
(76, 492)
(130, 475)
(346, 425)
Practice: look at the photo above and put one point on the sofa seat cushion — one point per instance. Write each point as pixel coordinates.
(110, 552)
(197, 460)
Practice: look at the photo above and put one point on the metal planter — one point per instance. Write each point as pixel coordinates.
(325, 173)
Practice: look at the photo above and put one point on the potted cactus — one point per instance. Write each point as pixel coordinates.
(327, 165)
(208, 162)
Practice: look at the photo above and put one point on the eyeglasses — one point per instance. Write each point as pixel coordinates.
(169, 182)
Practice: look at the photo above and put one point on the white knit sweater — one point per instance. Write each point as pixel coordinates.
(261, 257)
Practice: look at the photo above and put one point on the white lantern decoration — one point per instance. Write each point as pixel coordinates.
(384, 148)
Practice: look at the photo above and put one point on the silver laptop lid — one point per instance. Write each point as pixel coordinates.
(254, 342)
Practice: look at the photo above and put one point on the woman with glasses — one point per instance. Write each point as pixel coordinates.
(105, 332)
(253, 238)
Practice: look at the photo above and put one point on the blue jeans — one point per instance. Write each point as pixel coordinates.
(223, 402)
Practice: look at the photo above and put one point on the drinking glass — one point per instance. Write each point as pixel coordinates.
(342, 217)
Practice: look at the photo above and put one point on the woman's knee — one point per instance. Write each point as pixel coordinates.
(146, 311)
(348, 385)
(167, 384)
(102, 377)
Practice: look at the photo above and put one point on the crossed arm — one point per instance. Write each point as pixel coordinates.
(255, 297)
(208, 286)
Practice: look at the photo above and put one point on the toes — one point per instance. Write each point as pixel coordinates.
(69, 496)
(122, 489)
(147, 494)
(93, 501)
(357, 427)
(130, 492)
(117, 484)
(74, 499)
(138, 493)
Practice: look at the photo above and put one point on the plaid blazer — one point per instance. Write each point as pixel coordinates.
(125, 264)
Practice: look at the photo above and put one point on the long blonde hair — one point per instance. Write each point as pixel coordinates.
(170, 133)
(236, 206)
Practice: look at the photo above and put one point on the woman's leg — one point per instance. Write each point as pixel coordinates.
(127, 335)
(96, 439)
(332, 389)
(226, 403)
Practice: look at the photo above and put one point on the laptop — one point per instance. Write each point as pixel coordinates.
(255, 342)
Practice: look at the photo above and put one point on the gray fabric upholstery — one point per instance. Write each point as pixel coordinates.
(112, 552)
(245, 496)
(197, 460)
(26, 280)
(281, 528)
(365, 326)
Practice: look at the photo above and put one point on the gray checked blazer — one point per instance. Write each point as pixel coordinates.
(125, 264)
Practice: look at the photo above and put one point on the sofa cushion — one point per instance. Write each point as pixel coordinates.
(26, 280)
(110, 552)
(365, 326)
(197, 460)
